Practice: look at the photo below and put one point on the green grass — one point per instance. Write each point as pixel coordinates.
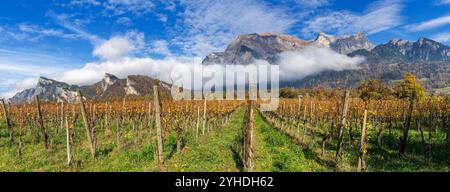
(35, 158)
(219, 150)
(275, 151)
(385, 158)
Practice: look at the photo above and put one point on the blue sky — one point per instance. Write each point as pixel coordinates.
(69, 40)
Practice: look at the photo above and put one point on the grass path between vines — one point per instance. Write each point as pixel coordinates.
(276, 152)
(219, 150)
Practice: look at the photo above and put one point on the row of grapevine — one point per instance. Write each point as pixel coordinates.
(122, 123)
(342, 121)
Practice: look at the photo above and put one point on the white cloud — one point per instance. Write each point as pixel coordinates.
(442, 37)
(119, 7)
(15, 87)
(442, 2)
(94, 71)
(161, 47)
(311, 60)
(162, 17)
(43, 32)
(120, 46)
(137, 7)
(210, 25)
(7, 94)
(434, 23)
(85, 2)
(32, 33)
(379, 16)
(114, 48)
(313, 3)
(170, 5)
(125, 21)
(63, 20)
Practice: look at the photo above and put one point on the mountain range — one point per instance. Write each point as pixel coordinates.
(428, 59)
(110, 87)
(246, 49)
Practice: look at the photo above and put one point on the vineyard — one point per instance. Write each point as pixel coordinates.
(304, 134)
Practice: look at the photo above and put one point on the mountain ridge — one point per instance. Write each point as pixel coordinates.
(108, 88)
(246, 49)
(428, 59)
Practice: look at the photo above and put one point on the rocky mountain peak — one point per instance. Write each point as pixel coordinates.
(108, 80)
(324, 39)
(47, 90)
(352, 43)
(423, 40)
(246, 49)
(109, 87)
(43, 81)
(399, 42)
(46, 83)
(360, 35)
(428, 42)
(423, 50)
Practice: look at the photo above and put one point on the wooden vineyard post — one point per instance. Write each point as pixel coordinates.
(21, 122)
(89, 132)
(304, 122)
(312, 120)
(68, 142)
(119, 125)
(62, 116)
(363, 147)
(135, 130)
(179, 138)
(341, 129)
(448, 130)
(75, 118)
(198, 123)
(204, 116)
(8, 122)
(248, 140)
(299, 115)
(404, 138)
(149, 114)
(41, 122)
(430, 145)
(106, 123)
(158, 125)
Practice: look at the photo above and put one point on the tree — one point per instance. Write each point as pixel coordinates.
(288, 92)
(320, 92)
(408, 86)
(373, 90)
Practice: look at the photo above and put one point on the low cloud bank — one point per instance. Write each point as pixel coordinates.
(311, 60)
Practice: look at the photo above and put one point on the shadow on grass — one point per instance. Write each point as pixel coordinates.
(104, 151)
(237, 159)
